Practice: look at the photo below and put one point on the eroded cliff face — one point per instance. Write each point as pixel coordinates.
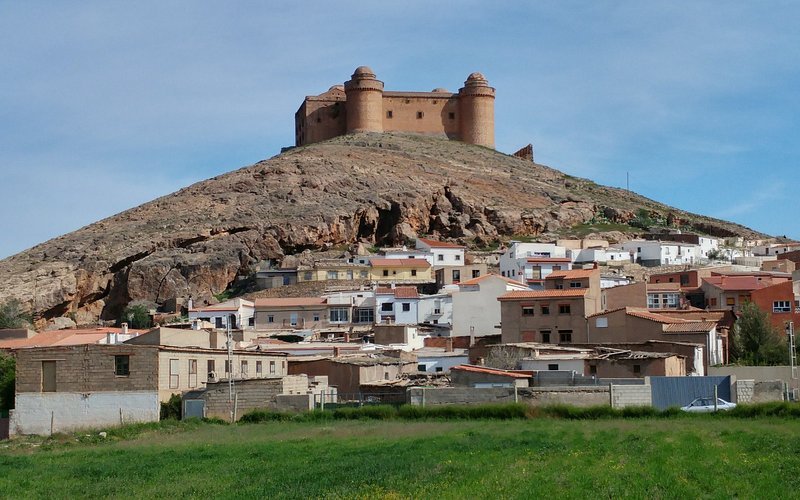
(376, 188)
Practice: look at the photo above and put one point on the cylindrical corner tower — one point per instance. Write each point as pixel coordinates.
(476, 105)
(364, 105)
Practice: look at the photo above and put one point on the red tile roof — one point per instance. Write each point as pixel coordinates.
(693, 327)
(493, 371)
(439, 244)
(737, 283)
(66, 337)
(475, 281)
(573, 274)
(544, 294)
(416, 263)
(400, 292)
(290, 302)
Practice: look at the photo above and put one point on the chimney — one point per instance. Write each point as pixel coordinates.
(109, 338)
(335, 352)
(190, 303)
(594, 266)
(124, 328)
(448, 347)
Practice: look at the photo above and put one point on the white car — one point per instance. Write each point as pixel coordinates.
(707, 405)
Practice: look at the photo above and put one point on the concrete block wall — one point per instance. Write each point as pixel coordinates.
(68, 411)
(631, 395)
(744, 391)
(249, 395)
(768, 390)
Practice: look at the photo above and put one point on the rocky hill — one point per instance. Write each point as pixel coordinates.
(375, 188)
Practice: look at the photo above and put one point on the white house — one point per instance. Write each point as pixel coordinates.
(662, 253)
(612, 280)
(439, 359)
(533, 261)
(599, 254)
(444, 254)
(399, 305)
(241, 311)
(775, 248)
(435, 309)
(476, 310)
(405, 253)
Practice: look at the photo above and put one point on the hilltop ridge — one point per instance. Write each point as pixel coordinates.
(375, 188)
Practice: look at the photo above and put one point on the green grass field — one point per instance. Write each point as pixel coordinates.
(642, 458)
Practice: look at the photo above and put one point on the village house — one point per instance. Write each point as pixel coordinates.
(606, 362)
(333, 270)
(689, 284)
(444, 253)
(273, 278)
(632, 324)
(662, 253)
(776, 248)
(23, 338)
(532, 262)
(405, 306)
(348, 372)
(296, 313)
(483, 376)
(707, 245)
(556, 314)
(476, 311)
(780, 301)
(405, 271)
(408, 253)
(66, 388)
(733, 290)
(240, 313)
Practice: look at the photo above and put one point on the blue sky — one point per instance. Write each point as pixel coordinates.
(105, 105)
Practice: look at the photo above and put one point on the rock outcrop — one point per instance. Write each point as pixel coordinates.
(370, 188)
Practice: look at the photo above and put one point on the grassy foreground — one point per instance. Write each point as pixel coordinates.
(654, 458)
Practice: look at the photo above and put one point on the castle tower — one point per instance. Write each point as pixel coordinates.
(364, 105)
(476, 106)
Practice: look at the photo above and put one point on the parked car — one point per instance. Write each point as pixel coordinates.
(707, 405)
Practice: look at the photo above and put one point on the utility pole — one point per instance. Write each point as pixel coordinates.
(792, 353)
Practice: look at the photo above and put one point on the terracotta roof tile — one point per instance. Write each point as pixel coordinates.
(693, 327)
(475, 281)
(400, 292)
(573, 274)
(544, 294)
(493, 371)
(439, 244)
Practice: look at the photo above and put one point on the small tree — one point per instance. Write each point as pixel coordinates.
(7, 380)
(137, 316)
(756, 341)
(12, 315)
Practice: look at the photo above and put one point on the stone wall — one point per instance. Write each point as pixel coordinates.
(534, 396)
(631, 395)
(279, 393)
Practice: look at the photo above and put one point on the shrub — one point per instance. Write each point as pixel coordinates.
(376, 412)
(7, 381)
(172, 408)
(12, 316)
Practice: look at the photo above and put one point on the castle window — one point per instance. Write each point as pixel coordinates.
(319, 120)
(420, 114)
(452, 116)
(389, 114)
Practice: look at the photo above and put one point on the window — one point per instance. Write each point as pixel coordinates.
(440, 257)
(270, 318)
(671, 280)
(387, 307)
(244, 368)
(476, 273)
(192, 373)
(413, 272)
(637, 369)
(439, 369)
(527, 311)
(422, 368)
(227, 367)
(350, 275)
(406, 306)
(575, 284)
(293, 319)
(389, 114)
(259, 368)
(564, 309)
(333, 275)
(174, 368)
(451, 116)
(556, 268)
(339, 315)
(251, 321)
(308, 276)
(366, 315)
(122, 366)
(545, 336)
(684, 279)
(456, 275)
(48, 376)
(781, 306)
(210, 366)
(545, 310)
(601, 322)
(653, 301)
(420, 114)
(730, 301)
(713, 301)
(386, 272)
(552, 367)
(592, 369)
(218, 322)
(316, 316)
(565, 336)
(458, 257)
(364, 274)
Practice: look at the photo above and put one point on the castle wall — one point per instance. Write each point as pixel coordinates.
(439, 114)
(319, 120)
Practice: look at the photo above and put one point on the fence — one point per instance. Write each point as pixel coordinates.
(680, 391)
(344, 400)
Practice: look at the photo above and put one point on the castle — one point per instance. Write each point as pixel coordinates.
(361, 105)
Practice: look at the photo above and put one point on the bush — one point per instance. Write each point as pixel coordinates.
(172, 408)
(11, 315)
(137, 316)
(377, 412)
(773, 409)
(465, 412)
(7, 382)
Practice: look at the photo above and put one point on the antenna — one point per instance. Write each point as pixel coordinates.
(628, 181)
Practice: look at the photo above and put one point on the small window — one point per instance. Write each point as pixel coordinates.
(387, 307)
(422, 368)
(259, 368)
(385, 375)
(439, 369)
(545, 337)
(527, 311)
(389, 114)
(601, 322)
(270, 318)
(386, 272)
(565, 336)
(244, 369)
(406, 307)
(730, 301)
(271, 367)
(210, 366)
(451, 116)
(364, 274)
(420, 114)
(122, 366)
(637, 369)
(545, 310)
(174, 369)
(575, 284)
(458, 257)
(440, 257)
(316, 316)
(251, 321)
(564, 309)
(308, 276)
(218, 322)
(592, 369)
(552, 367)
(413, 272)
(48, 376)
(227, 367)
(456, 275)
(192, 373)
(476, 273)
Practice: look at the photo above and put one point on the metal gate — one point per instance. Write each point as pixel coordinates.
(680, 391)
(194, 408)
